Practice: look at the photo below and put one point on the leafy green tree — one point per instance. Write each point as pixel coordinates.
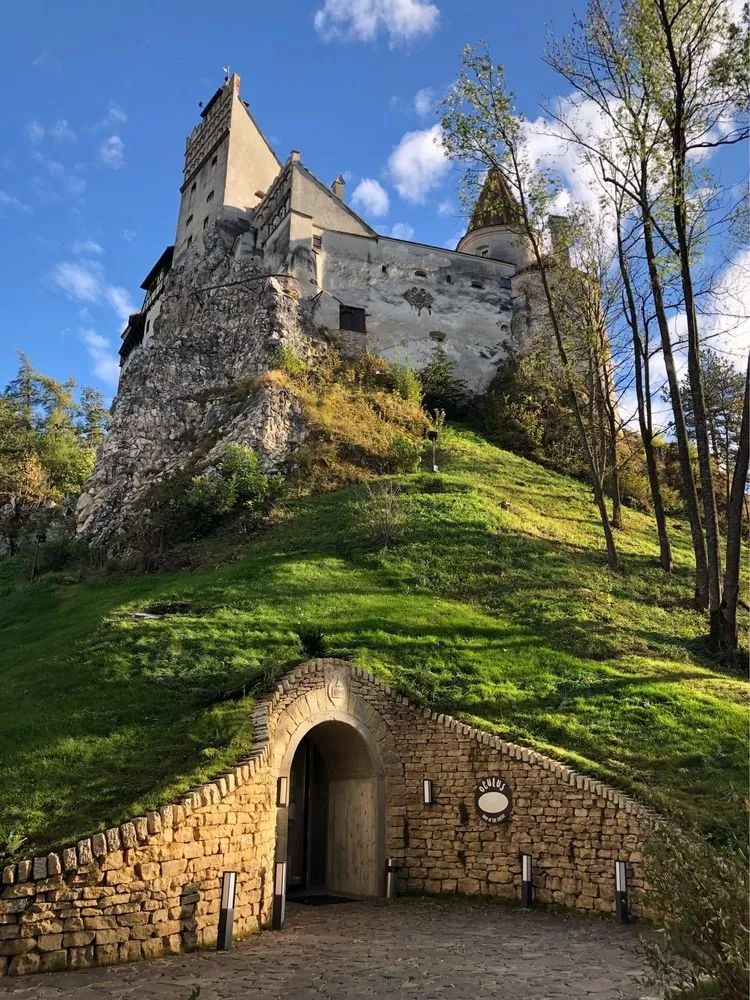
(47, 443)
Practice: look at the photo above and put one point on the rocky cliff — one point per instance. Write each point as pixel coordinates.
(195, 385)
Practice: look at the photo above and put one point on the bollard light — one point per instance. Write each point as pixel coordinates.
(428, 794)
(279, 896)
(621, 892)
(391, 873)
(282, 791)
(226, 912)
(527, 889)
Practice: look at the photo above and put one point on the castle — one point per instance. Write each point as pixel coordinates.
(265, 257)
(392, 297)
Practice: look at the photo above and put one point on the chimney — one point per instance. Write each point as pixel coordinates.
(294, 156)
(338, 187)
(559, 230)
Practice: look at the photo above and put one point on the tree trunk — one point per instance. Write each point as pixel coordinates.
(644, 418)
(678, 129)
(683, 451)
(734, 527)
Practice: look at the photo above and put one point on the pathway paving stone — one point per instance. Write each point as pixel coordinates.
(428, 949)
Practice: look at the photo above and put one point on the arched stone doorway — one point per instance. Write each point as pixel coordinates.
(331, 832)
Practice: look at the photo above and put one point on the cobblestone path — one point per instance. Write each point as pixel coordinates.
(418, 948)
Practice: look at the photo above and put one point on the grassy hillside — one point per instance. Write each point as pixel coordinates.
(496, 605)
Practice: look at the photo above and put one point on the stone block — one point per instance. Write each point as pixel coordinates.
(78, 939)
(81, 958)
(24, 965)
(53, 961)
(49, 942)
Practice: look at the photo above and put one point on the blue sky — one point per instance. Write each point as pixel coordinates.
(100, 96)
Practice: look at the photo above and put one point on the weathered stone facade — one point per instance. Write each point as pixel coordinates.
(152, 886)
(193, 385)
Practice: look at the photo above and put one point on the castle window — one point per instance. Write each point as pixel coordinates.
(317, 242)
(213, 162)
(352, 318)
(210, 196)
(148, 325)
(437, 335)
(188, 221)
(205, 222)
(448, 278)
(419, 273)
(384, 269)
(189, 240)
(192, 189)
(477, 284)
(484, 251)
(505, 283)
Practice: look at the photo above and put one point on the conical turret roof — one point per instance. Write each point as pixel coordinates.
(495, 205)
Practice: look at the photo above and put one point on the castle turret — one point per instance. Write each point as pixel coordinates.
(494, 229)
(229, 165)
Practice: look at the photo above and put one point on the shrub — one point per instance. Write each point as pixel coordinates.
(287, 361)
(698, 893)
(186, 507)
(404, 454)
(441, 390)
(405, 381)
(382, 512)
(11, 842)
(313, 642)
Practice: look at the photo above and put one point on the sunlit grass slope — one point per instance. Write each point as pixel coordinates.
(496, 605)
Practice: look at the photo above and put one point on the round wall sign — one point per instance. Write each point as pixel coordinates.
(493, 798)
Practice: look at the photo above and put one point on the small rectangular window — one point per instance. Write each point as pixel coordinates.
(205, 222)
(317, 242)
(188, 221)
(210, 196)
(505, 283)
(352, 318)
(477, 284)
(189, 240)
(213, 162)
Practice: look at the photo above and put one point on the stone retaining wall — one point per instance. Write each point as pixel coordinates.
(152, 886)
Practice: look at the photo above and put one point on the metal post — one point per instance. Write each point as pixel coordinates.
(621, 892)
(391, 874)
(279, 896)
(226, 913)
(527, 889)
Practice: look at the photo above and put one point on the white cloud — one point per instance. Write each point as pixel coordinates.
(85, 248)
(129, 235)
(120, 301)
(402, 231)
(103, 354)
(115, 115)
(68, 179)
(418, 163)
(35, 131)
(62, 132)
(364, 20)
(446, 207)
(371, 197)
(726, 327)
(84, 281)
(10, 201)
(112, 152)
(424, 101)
(81, 280)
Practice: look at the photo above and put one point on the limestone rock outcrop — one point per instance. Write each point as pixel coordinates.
(196, 384)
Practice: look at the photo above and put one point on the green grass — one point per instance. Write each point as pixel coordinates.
(496, 606)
